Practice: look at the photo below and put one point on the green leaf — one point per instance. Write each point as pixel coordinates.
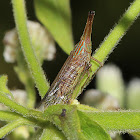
(52, 133)
(65, 117)
(56, 16)
(92, 130)
(3, 85)
(37, 134)
(116, 121)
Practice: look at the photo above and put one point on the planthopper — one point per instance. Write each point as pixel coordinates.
(77, 64)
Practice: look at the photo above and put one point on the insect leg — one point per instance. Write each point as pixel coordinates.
(88, 72)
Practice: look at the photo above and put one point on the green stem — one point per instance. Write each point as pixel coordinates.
(119, 121)
(33, 64)
(18, 108)
(9, 116)
(25, 77)
(31, 93)
(117, 33)
(111, 41)
(11, 126)
(12, 116)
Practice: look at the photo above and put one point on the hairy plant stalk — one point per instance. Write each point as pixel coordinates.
(110, 42)
(33, 63)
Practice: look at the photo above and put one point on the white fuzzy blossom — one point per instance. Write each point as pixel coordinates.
(42, 43)
(20, 96)
(109, 103)
(11, 43)
(21, 132)
(92, 96)
(133, 94)
(109, 80)
(100, 100)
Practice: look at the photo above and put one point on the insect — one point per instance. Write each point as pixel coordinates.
(63, 114)
(76, 64)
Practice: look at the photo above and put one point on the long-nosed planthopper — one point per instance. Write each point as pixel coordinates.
(76, 64)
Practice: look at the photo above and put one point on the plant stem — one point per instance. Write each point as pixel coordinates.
(31, 93)
(9, 116)
(11, 126)
(110, 42)
(33, 64)
(18, 108)
(117, 33)
(26, 78)
(13, 116)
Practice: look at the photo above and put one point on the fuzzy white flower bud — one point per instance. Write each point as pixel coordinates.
(20, 96)
(92, 96)
(109, 80)
(42, 41)
(11, 43)
(133, 94)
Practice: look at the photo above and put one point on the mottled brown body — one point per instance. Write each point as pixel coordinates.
(76, 64)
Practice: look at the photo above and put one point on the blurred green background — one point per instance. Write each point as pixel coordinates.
(126, 55)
